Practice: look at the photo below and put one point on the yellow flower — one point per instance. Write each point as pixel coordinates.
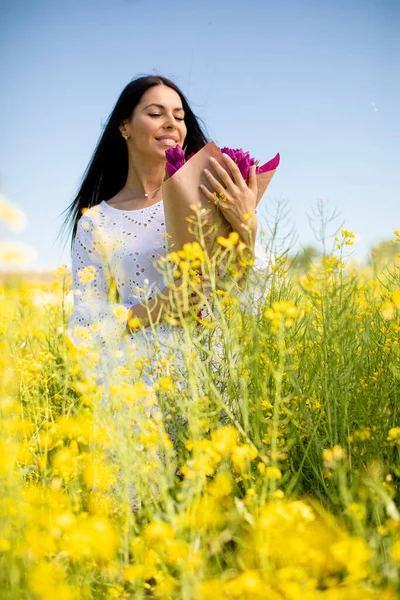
(158, 531)
(65, 520)
(289, 533)
(395, 296)
(61, 272)
(357, 510)
(121, 314)
(78, 427)
(47, 580)
(278, 494)
(347, 234)
(174, 257)
(248, 585)
(221, 485)
(352, 554)
(395, 552)
(333, 456)
(191, 251)
(224, 439)
(229, 242)
(100, 503)
(93, 537)
(134, 323)
(4, 545)
(165, 384)
(25, 455)
(242, 455)
(175, 551)
(8, 452)
(394, 435)
(388, 310)
(86, 274)
(204, 513)
(98, 474)
(204, 461)
(134, 572)
(273, 473)
(83, 334)
(212, 589)
(282, 310)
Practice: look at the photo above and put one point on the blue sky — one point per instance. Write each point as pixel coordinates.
(316, 81)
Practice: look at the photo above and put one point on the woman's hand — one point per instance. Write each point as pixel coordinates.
(172, 302)
(236, 199)
(177, 301)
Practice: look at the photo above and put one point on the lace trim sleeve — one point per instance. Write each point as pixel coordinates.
(94, 320)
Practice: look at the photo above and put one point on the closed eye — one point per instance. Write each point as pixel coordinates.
(157, 115)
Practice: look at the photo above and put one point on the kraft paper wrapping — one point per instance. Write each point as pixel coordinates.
(182, 191)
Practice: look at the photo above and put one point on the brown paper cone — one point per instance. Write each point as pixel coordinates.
(181, 192)
(263, 181)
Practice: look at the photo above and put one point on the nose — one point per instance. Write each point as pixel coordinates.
(169, 125)
(170, 122)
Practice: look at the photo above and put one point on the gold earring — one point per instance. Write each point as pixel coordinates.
(125, 136)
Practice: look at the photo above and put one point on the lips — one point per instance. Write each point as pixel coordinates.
(168, 137)
(167, 142)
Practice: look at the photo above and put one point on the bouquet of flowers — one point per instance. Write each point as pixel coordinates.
(182, 194)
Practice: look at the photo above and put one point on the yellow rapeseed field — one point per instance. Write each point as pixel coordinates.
(263, 463)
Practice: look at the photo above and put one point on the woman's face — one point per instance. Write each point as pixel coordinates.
(157, 123)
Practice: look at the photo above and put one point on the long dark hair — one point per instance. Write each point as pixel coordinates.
(107, 170)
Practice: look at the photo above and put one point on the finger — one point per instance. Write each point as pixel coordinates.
(212, 196)
(252, 178)
(234, 169)
(214, 182)
(225, 176)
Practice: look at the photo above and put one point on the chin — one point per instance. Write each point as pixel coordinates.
(161, 156)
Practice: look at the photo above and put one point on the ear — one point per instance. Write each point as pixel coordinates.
(122, 127)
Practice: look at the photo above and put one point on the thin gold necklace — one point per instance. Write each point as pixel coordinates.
(145, 195)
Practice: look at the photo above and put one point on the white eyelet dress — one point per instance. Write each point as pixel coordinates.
(121, 246)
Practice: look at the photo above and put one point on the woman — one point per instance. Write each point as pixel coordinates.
(117, 217)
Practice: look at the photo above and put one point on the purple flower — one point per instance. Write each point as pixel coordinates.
(244, 161)
(175, 159)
